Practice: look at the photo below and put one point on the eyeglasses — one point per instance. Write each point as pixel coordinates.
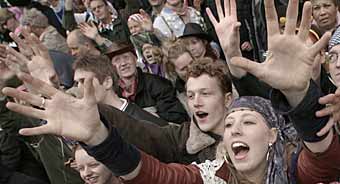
(332, 57)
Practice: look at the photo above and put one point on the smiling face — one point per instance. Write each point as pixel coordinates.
(246, 138)
(125, 64)
(334, 64)
(92, 171)
(207, 103)
(324, 13)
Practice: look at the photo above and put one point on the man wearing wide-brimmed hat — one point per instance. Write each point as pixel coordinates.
(151, 92)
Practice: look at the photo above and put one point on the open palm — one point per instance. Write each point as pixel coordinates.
(288, 66)
(227, 28)
(67, 116)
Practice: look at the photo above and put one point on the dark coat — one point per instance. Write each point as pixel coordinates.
(158, 92)
(140, 114)
(10, 177)
(15, 152)
(168, 144)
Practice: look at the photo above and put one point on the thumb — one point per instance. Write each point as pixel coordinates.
(247, 65)
(35, 131)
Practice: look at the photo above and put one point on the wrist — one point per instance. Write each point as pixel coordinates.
(295, 95)
(99, 136)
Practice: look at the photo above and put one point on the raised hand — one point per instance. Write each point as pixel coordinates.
(145, 21)
(227, 30)
(23, 46)
(5, 72)
(289, 63)
(89, 30)
(332, 102)
(39, 64)
(77, 119)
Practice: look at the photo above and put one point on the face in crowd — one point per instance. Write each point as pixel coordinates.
(152, 54)
(334, 64)
(134, 27)
(75, 47)
(246, 139)
(196, 46)
(102, 89)
(325, 13)
(207, 102)
(100, 10)
(92, 171)
(125, 64)
(181, 64)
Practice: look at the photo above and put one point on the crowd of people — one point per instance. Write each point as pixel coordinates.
(169, 91)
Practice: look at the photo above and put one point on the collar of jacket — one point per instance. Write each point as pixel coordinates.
(198, 140)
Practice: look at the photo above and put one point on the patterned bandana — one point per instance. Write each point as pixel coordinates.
(335, 39)
(276, 160)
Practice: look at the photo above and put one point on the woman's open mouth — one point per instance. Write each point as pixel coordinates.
(240, 150)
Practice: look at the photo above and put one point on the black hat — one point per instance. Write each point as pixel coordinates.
(193, 29)
(121, 49)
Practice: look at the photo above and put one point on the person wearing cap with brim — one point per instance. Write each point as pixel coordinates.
(199, 43)
(153, 93)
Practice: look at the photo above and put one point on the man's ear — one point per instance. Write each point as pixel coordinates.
(228, 99)
(107, 83)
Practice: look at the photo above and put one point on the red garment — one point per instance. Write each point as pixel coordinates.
(128, 92)
(325, 167)
(312, 168)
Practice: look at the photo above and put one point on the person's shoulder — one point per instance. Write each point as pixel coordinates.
(148, 77)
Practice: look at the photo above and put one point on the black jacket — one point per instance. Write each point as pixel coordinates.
(158, 92)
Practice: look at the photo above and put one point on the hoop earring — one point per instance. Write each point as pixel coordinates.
(270, 147)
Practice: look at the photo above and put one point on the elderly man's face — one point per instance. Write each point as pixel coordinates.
(76, 48)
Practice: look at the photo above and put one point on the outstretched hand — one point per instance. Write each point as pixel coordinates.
(77, 119)
(332, 102)
(289, 63)
(39, 64)
(227, 30)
